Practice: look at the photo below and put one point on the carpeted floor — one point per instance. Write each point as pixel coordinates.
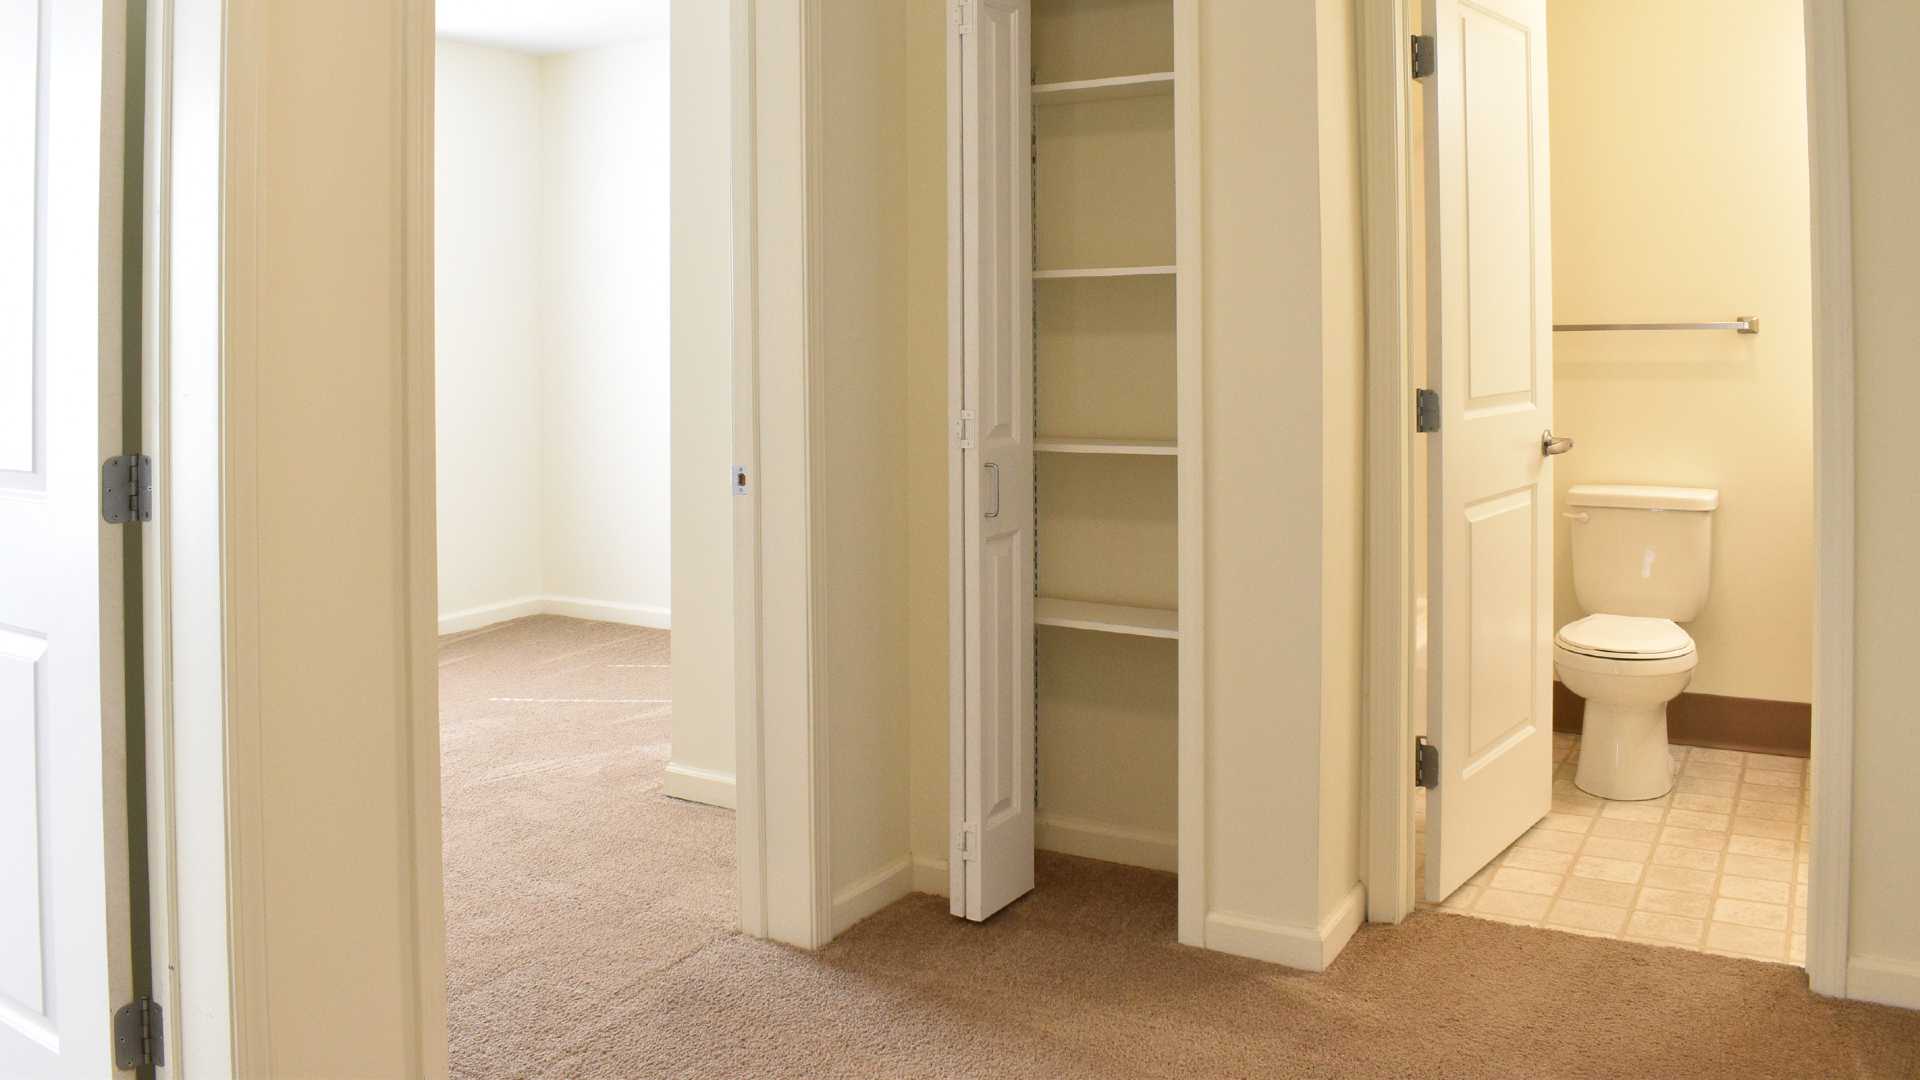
(588, 935)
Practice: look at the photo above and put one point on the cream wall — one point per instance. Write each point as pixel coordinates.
(553, 334)
(338, 945)
(1885, 943)
(606, 508)
(1680, 194)
(858, 395)
(702, 407)
(487, 248)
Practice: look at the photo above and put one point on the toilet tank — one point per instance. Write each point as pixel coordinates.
(1640, 550)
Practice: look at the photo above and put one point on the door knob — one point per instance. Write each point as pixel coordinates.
(1551, 444)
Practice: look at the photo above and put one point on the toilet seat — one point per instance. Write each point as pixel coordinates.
(1628, 638)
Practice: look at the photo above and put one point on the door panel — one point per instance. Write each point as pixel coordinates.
(992, 859)
(64, 930)
(1490, 527)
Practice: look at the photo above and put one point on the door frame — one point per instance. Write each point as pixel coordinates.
(1390, 628)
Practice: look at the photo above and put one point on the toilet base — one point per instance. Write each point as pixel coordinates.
(1623, 752)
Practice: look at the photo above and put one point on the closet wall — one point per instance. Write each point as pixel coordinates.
(552, 333)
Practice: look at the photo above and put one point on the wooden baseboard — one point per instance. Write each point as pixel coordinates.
(1724, 723)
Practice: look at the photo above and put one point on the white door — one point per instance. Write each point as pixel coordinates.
(991, 862)
(1491, 354)
(64, 952)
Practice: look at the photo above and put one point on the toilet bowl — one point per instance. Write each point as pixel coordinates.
(1627, 668)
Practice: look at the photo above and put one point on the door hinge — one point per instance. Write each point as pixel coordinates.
(963, 16)
(1426, 763)
(968, 841)
(963, 429)
(138, 1035)
(1423, 58)
(740, 486)
(1426, 410)
(126, 489)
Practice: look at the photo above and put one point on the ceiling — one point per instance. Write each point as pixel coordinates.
(550, 26)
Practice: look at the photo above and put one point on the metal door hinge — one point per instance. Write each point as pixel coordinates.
(1426, 763)
(1426, 410)
(963, 429)
(126, 489)
(963, 16)
(968, 842)
(1424, 60)
(138, 1035)
(740, 486)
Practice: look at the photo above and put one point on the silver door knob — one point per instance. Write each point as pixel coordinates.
(1551, 444)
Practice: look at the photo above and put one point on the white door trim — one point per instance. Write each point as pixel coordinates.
(1829, 887)
(1389, 771)
(783, 827)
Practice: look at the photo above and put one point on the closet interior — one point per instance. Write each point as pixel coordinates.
(1106, 437)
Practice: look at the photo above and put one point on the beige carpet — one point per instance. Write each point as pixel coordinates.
(588, 936)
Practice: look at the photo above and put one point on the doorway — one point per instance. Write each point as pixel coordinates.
(1723, 860)
(585, 850)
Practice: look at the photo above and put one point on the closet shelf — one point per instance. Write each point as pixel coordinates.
(1147, 447)
(1105, 271)
(1106, 618)
(1153, 84)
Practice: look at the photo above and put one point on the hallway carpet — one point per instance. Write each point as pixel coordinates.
(588, 936)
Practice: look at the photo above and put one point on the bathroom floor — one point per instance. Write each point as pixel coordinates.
(1719, 864)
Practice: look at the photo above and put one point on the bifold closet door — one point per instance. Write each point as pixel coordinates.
(1491, 540)
(992, 810)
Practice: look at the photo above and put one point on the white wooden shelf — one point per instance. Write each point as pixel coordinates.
(1144, 447)
(1106, 618)
(1153, 84)
(1104, 272)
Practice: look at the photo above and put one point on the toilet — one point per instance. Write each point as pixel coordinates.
(1642, 558)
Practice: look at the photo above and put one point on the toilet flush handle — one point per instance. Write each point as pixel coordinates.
(1580, 516)
(1551, 444)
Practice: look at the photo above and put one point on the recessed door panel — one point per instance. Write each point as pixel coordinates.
(23, 945)
(20, 162)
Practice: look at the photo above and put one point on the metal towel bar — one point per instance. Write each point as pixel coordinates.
(1744, 324)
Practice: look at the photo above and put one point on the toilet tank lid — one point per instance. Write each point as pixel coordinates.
(1643, 497)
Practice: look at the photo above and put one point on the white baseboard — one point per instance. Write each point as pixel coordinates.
(871, 893)
(930, 876)
(459, 622)
(658, 618)
(1885, 980)
(698, 785)
(1303, 947)
(1150, 848)
(456, 622)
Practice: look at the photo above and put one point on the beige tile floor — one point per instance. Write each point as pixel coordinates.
(1719, 864)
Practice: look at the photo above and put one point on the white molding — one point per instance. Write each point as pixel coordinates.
(1308, 948)
(1190, 388)
(574, 607)
(657, 618)
(1884, 979)
(473, 618)
(1829, 902)
(784, 830)
(419, 554)
(749, 821)
(699, 785)
(871, 893)
(1389, 578)
(930, 876)
(956, 890)
(1154, 849)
